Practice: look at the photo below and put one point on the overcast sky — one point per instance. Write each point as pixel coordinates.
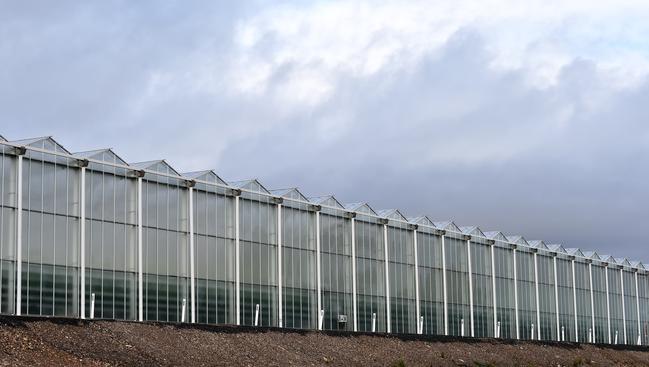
(530, 119)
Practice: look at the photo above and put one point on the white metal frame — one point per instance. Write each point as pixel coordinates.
(538, 303)
(444, 283)
(592, 302)
(493, 286)
(623, 306)
(420, 327)
(280, 263)
(140, 270)
(354, 290)
(19, 234)
(237, 265)
(518, 335)
(387, 280)
(192, 267)
(556, 296)
(468, 253)
(637, 301)
(608, 305)
(574, 300)
(82, 243)
(318, 267)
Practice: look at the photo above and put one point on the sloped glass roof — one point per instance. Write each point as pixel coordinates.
(360, 208)
(473, 231)
(608, 259)
(423, 220)
(637, 264)
(207, 175)
(328, 200)
(538, 244)
(252, 185)
(519, 240)
(43, 142)
(622, 261)
(592, 255)
(496, 236)
(575, 252)
(290, 193)
(2, 138)
(448, 225)
(160, 166)
(104, 155)
(557, 248)
(392, 214)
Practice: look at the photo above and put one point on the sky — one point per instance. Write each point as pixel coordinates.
(530, 118)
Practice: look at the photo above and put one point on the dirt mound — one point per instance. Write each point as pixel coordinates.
(32, 341)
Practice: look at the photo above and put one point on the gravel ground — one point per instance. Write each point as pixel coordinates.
(27, 341)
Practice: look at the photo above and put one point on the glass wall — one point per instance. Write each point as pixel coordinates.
(566, 303)
(505, 306)
(630, 307)
(258, 241)
(584, 312)
(214, 238)
(526, 293)
(299, 266)
(50, 245)
(8, 207)
(483, 312)
(401, 257)
(643, 291)
(370, 274)
(599, 301)
(431, 285)
(547, 304)
(615, 304)
(336, 259)
(457, 282)
(111, 242)
(165, 248)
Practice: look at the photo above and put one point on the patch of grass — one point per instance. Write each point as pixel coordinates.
(399, 363)
(483, 364)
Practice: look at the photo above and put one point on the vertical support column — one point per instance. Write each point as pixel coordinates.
(574, 300)
(237, 258)
(538, 303)
(623, 307)
(444, 283)
(387, 278)
(592, 301)
(82, 243)
(518, 335)
(140, 273)
(19, 234)
(608, 305)
(493, 286)
(354, 291)
(318, 255)
(468, 253)
(280, 296)
(556, 296)
(637, 307)
(192, 269)
(420, 328)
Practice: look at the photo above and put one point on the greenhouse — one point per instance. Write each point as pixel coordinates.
(88, 235)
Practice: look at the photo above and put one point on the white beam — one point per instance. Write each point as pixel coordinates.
(493, 286)
(237, 262)
(608, 306)
(444, 283)
(140, 273)
(538, 303)
(318, 247)
(354, 291)
(637, 307)
(19, 233)
(556, 296)
(280, 263)
(468, 252)
(516, 296)
(417, 306)
(574, 300)
(82, 242)
(623, 310)
(387, 279)
(192, 270)
(592, 302)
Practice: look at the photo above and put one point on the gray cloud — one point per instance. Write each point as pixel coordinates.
(448, 136)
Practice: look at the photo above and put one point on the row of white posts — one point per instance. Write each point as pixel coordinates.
(420, 318)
